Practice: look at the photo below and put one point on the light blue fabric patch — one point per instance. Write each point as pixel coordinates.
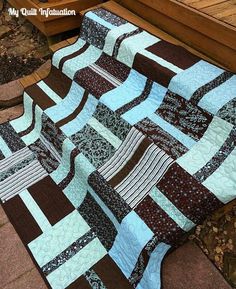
(51, 93)
(129, 90)
(4, 148)
(59, 54)
(77, 188)
(55, 240)
(188, 81)
(77, 265)
(35, 211)
(63, 169)
(82, 118)
(218, 97)
(146, 107)
(67, 105)
(83, 60)
(176, 133)
(152, 275)
(132, 237)
(23, 122)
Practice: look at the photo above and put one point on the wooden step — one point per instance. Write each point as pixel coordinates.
(202, 29)
(55, 24)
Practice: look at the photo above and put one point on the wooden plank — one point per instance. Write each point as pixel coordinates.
(59, 45)
(194, 19)
(205, 3)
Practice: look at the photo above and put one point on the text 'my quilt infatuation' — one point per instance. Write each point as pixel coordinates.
(121, 150)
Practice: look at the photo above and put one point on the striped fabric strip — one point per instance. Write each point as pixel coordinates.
(174, 213)
(21, 180)
(14, 158)
(50, 147)
(35, 210)
(144, 175)
(108, 76)
(125, 151)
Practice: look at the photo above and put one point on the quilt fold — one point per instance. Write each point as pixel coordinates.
(122, 149)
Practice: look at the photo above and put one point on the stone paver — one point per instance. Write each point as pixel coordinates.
(188, 268)
(30, 280)
(11, 93)
(3, 217)
(11, 113)
(14, 259)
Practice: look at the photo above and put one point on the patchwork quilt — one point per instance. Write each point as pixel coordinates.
(124, 147)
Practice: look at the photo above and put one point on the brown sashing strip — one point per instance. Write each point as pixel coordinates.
(73, 55)
(200, 92)
(75, 112)
(65, 182)
(138, 100)
(211, 166)
(31, 127)
(121, 38)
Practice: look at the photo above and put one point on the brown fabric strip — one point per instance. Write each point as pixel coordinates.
(21, 218)
(159, 222)
(131, 163)
(31, 127)
(75, 112)
(51, 200)
(187, 194)
(90, 80)
(153, 70)
(110, 274)
(58, 82)
(176, 55)
(72, 55)
(39, 96)
(81, 282)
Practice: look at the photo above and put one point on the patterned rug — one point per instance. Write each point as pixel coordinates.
(121, 150)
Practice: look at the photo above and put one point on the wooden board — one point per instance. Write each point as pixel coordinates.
(223, 10)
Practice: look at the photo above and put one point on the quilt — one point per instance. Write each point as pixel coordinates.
(122, 149)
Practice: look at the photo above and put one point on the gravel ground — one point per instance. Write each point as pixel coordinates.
(22, 47)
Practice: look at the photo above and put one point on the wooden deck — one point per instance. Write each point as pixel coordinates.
(222, 10)
(204, 28)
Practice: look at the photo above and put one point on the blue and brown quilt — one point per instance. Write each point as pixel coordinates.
(124, 147)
